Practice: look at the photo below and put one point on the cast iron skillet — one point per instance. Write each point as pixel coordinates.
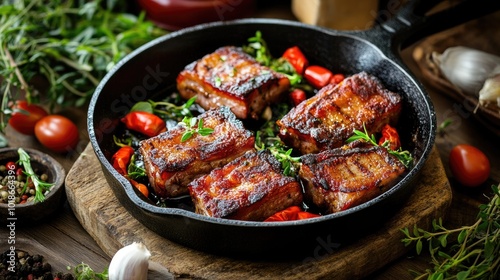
(150, 72)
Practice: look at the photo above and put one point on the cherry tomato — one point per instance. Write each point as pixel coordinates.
(469, 165)
(57, 133)
(290, 214)
(337, 78)
(318, 76)
(296, 58)
(297, 95)
(25, 116)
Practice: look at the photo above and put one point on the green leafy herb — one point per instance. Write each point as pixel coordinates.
(193, 127)
(134, 171)
(404, 156)
(257, 48)
(441, 130)
(40, 186)
(166, 109)
(266, 139)
(67, 46)
(282, 153)
(85, 272)
(475, 252)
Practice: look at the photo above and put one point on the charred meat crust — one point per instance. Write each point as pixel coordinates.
(341, 178)
(171, 164)
(251, 187)
(327, 119)
(230, 77)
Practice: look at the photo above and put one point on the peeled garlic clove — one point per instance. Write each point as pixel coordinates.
(130, 263)
(466, 68)
(490, 93)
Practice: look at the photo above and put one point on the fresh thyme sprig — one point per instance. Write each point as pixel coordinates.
(40, 186)
(193, 127)
(404, 156)
(476, 253)
(283, 154)
(266, 139)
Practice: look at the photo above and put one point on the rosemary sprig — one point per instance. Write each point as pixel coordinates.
(193, 127)
(40, 186)
(404, 156)
(476, 253)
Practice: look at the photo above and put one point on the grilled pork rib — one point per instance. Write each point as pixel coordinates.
(251, 187)
(327, 119)
(229, 77)
(171, 164)
(344, 177)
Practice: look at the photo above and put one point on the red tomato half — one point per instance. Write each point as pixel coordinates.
(469, 165)
(318, 76)
(25, 116)
(57, 133)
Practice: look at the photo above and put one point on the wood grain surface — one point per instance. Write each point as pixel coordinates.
(112, 227)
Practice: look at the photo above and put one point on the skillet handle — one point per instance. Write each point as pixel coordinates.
(411, 23)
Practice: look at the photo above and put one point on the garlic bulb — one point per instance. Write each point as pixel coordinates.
(130, 263)
(466, 68)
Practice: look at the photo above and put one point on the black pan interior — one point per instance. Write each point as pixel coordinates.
(150, 73)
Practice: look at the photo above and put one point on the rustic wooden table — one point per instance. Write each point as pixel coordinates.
(64, 242)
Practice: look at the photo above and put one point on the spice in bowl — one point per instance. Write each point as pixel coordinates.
(31, 185)
(21, 183)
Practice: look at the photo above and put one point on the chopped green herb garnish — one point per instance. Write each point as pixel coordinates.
(193, 127)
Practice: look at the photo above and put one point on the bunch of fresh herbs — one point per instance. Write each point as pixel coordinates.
(475, 249)
(68, 45)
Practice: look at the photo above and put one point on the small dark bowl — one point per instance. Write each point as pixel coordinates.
(30, 212)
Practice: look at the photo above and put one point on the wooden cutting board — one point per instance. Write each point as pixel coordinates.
(99, 212)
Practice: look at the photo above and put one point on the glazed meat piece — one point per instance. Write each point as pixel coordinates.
(338, 179)
(327, 119)
(232, 78)
(252, 187)
(172, 164)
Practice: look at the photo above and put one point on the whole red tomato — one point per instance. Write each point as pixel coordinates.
(469, 165)
(57, 133)
(25, 116)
